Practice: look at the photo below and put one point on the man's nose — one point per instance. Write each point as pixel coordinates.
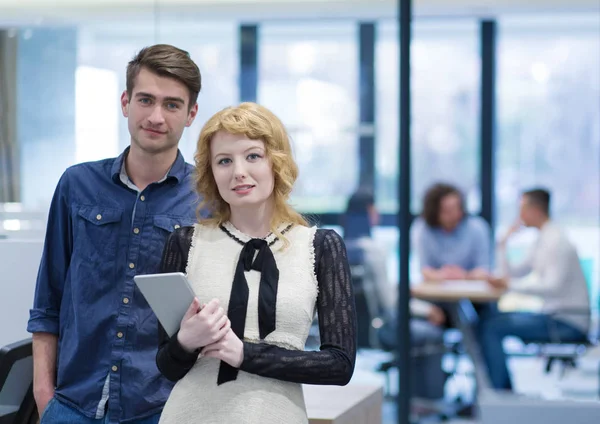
(156, 117)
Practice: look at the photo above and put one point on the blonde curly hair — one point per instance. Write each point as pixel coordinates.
(256, 123)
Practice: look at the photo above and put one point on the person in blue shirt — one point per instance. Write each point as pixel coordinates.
(94, 336)
(452, 245)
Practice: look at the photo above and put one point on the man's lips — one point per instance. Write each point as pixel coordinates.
(154, 131)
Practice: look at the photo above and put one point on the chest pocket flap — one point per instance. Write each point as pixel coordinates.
(100, 215)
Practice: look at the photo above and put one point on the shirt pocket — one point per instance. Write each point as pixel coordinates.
(98, 231)
(163, 226)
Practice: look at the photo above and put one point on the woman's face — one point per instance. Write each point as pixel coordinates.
(450, 213)
(242, 170)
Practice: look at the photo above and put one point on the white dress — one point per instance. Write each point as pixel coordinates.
(252, 398)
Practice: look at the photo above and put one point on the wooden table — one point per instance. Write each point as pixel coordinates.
(453, 293)
(351, 404)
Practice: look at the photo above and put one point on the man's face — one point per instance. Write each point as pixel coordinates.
(157, 112)
(451, 212)
(527, 212)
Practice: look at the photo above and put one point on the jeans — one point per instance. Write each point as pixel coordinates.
(530, 327)
(57, 412)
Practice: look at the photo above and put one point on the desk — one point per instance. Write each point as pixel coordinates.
(455, 293)
(351, 404)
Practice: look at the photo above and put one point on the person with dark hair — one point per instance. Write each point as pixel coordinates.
(551, 271)
(94, 335)
(361, 215)
(451, 245)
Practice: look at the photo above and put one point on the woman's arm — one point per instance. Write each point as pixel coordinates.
(172, 359)
(334, 363)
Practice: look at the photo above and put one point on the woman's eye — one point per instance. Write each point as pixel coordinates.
(224, 161)
(253, 156)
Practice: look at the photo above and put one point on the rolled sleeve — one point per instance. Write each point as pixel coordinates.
(44, 316)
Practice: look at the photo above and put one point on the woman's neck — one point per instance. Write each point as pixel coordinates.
(253, 221)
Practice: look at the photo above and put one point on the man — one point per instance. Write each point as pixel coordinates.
(552, 271)
(94, 336)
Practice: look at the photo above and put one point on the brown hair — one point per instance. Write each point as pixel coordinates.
(257, 123)
(166, 61)
(432, 199)
(540, 198)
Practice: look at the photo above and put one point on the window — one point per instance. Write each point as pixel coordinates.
(445, 76)
(308, 76)
(84, 76)
(549, 126)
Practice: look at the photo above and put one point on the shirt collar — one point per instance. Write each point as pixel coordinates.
(118, 172)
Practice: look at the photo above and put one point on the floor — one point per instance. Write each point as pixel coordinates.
(528, 374)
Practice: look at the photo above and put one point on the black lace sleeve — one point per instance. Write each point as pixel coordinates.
(172, 360)
(334, 362)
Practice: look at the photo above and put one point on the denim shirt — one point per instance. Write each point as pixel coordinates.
(100, 234)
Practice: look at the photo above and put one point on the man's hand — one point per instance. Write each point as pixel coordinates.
(500, 283)
(229, 349)
(436, 315)
(42, 397)
(516, 226)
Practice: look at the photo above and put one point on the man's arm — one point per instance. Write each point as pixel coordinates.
(44, 316)
(44, 368)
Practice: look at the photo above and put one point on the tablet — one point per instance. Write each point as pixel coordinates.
(169, 295)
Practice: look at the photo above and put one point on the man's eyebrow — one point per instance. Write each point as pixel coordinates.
(166, 99)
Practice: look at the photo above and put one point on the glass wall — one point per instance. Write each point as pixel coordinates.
(445, 72)
(77, 117)
(549, 126)
(308, 76)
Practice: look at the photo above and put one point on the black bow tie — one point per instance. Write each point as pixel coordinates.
(264, 262)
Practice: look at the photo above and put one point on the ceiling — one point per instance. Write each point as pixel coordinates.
(77, 10)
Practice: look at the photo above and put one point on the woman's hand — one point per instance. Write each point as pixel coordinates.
(202, 327)
(229, 349)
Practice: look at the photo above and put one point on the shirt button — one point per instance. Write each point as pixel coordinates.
(177, 226)
(114, 368)
(142, 198)
(136, 231)
(131, 265)
(98, 217)
(120, 335)
(125, 300)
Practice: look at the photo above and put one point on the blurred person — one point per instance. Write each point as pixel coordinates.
(552, 271)
(94, 335)
(360, 217)
(261, 273)
(451, 245)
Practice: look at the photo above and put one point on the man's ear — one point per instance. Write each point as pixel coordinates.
(192, 115)
(125, 104)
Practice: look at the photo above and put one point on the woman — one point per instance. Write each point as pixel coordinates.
(451, 244)
(260, 273)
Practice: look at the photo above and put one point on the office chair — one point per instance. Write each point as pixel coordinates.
(17, 405)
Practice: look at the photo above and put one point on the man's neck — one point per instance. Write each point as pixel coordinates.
(144, 169)
(542, 222)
